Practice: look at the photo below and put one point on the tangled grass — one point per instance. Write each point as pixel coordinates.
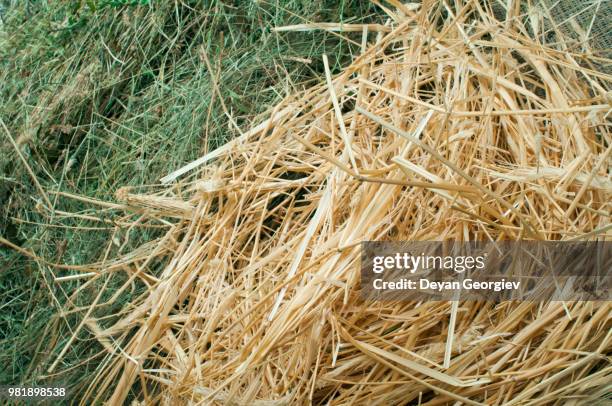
(100, 94)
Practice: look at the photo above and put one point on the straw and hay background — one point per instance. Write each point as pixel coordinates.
(462, 120)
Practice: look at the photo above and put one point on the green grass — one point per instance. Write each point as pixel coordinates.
(103, 94)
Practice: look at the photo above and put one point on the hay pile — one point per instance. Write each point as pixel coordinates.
(452, 125)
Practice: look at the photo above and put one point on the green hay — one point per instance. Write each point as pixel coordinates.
(103, 94)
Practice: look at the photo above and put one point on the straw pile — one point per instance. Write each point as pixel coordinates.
(450, 125)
